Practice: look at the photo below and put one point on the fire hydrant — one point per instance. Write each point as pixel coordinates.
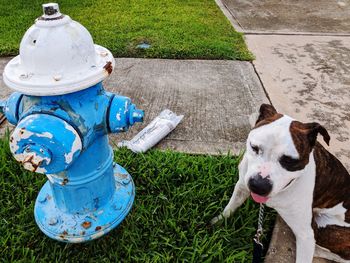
(63, 115)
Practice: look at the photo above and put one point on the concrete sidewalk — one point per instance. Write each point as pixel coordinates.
(302, 51)
(216, 97)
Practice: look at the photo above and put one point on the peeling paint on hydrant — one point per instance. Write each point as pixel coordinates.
(63, 115)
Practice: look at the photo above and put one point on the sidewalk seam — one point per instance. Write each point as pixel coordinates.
(261, 83)
(312, 34)
(231, 17)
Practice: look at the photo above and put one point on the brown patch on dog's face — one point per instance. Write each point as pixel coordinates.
(267, 114)
(304, 137)
(301, 142)
(268, 120)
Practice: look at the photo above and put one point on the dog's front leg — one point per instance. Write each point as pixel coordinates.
(240, 194)
(305, 247)
(300, 223)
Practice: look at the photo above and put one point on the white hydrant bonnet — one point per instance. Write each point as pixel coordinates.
(57, 56)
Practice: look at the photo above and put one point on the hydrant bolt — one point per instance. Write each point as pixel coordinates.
(50, 9)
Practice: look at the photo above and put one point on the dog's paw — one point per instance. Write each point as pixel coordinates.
(225, 214)
(216, 219)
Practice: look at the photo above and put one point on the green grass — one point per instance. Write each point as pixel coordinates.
(176, 196)
(175, 28)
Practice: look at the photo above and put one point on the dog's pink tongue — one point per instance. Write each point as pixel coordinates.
(259, 198)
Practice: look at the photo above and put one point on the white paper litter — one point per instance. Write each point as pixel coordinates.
(160, 127)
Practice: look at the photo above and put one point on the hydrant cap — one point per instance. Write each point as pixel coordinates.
(57, 56)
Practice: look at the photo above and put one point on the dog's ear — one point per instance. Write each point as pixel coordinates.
(312, 130)
(266, 111)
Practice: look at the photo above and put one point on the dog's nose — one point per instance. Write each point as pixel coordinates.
(259, 185)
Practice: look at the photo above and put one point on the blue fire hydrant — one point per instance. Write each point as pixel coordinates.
(63, 115)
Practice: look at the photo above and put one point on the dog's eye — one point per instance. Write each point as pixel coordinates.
(255, 148)
(290, 164)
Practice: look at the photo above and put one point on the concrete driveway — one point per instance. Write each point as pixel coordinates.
(286, 16)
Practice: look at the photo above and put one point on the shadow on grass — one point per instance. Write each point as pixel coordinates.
(176, 196)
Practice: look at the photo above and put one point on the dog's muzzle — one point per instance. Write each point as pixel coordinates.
(260, 185)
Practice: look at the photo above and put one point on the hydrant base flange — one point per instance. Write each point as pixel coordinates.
(82, 227)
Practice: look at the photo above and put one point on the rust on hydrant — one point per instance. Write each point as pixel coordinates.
(64, 182)
(108, 67)
(64, 234)
(86, 224)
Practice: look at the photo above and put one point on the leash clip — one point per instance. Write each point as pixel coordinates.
(257, 237)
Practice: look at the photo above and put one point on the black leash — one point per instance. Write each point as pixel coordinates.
(257, 245)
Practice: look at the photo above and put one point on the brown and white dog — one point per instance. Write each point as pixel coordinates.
(286, 168)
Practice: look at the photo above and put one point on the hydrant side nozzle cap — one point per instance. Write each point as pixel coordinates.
(138, 115)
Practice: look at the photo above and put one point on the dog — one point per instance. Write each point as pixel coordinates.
(287, 169)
